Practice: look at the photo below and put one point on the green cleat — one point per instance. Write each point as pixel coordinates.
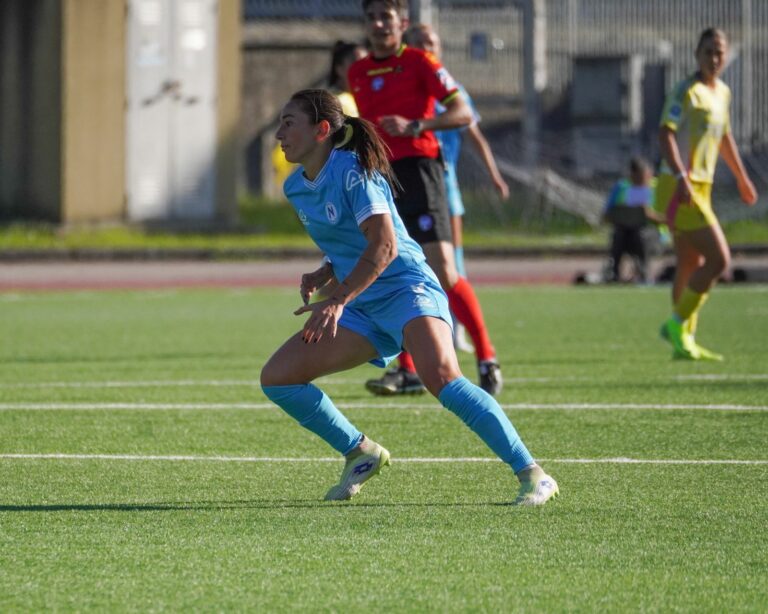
(538, 491)
(362, 464)
(705, 354)
(684, 348)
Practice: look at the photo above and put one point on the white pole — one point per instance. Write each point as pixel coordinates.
(747, 54)
(534, 74)
(421, 12)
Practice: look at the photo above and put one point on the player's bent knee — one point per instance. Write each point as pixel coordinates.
(436, 380)
(273, 375)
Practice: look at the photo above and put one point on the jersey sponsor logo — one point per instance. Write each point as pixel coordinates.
(426, 222)
(331, 213)
(379, 71)
(303, 217)
(353, 180)
(423, 301)
(377, 84)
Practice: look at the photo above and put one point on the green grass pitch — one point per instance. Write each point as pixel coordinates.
(177, 487)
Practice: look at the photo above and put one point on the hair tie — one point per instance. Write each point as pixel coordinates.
(348, 132)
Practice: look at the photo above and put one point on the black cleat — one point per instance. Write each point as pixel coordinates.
(396, 381)
(490, 376)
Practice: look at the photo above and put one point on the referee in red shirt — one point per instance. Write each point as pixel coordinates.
(395, 88)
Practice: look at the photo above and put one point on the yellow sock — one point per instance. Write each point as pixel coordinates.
(689, 326)
(689, 303)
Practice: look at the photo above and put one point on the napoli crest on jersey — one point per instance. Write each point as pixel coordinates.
(332, 213)
(352, 180)
(377, 84)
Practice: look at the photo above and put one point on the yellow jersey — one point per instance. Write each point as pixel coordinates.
(348, 105)
(700, 117)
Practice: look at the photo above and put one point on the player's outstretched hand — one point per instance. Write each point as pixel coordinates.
(312, 282)
(323, 320)
(501, 187)
(747, 192)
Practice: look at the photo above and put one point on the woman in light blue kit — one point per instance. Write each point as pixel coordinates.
(387, 298)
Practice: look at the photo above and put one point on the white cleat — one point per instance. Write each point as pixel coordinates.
(366, 463)
(537, 492)
(460, 341)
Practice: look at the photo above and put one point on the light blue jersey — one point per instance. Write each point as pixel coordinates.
(332, 207)
(450, 147)
(450, 140)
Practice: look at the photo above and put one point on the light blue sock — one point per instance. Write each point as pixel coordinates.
(313, 410)
(458, 254)
(480, 412)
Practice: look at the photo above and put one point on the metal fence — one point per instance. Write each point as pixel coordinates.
(659, 31)
(483, 41)
(483, 46)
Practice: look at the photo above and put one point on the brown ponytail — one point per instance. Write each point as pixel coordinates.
(348, 133)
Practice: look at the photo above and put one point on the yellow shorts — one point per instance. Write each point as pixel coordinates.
(680, 216)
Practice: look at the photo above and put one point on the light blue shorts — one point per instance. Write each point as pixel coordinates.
(382, 321)
(453, 194)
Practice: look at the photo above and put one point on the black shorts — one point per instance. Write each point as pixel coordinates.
(421, 200)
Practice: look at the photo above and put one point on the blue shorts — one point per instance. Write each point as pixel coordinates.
(452, 192)
(381, 322)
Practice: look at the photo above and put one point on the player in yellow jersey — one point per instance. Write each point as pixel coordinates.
(695, 129)
(343, 55)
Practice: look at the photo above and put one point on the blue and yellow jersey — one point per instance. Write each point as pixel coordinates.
(626, 194)
(700, 117)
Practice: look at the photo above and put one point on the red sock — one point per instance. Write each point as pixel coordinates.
(466, 308)
(406, 362)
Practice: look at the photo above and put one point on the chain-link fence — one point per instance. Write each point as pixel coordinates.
(484, 48)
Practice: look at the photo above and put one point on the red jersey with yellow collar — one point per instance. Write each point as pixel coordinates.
(407, 84)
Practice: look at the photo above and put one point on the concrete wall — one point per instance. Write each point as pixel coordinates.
(280, 58)
(62, 109)
(229, 147)
(30, 99)
(93, 115)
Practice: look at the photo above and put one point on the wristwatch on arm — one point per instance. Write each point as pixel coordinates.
(416, 126)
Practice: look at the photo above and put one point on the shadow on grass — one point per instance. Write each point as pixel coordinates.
(236, 505)
(75, 359)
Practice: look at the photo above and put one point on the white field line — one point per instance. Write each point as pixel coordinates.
(722, 377)
(23, 406)
(280, 459)
(235, 383)
(344, 381)
(135, 384)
